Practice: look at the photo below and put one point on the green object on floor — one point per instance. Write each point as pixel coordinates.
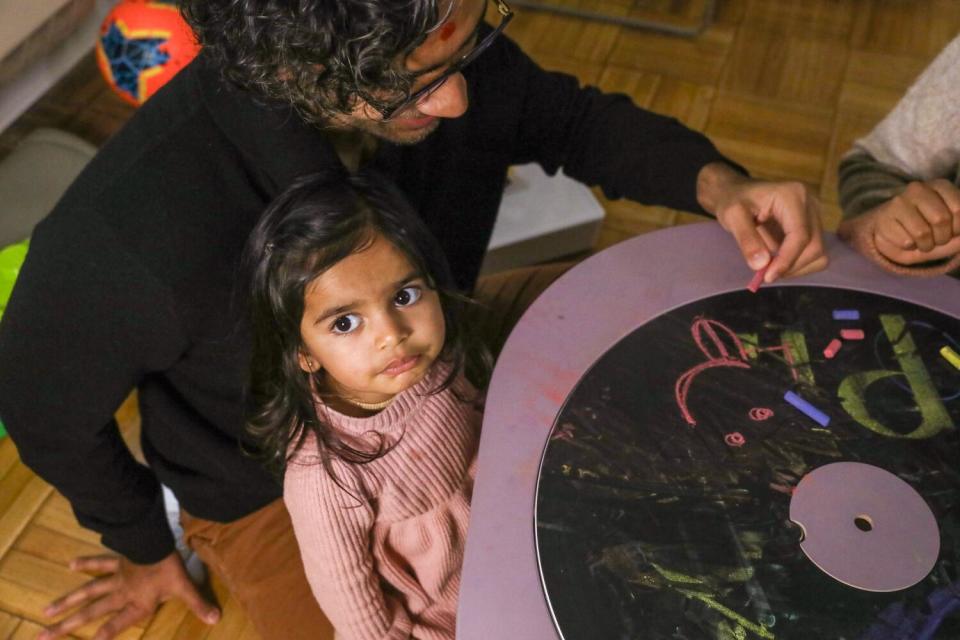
(11, 259)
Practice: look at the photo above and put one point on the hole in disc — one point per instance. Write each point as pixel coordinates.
(863, 522)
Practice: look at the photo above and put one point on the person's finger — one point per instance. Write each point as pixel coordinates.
(908, 213)
(817, 264)
(812, 254)
(196, 603)
(95, 564)
(739, 222)
(890, 229)
(93, 611)
(90, 591)
(798, 215)
(913, 256)
(936, 213)
(126, 618)
(795, 221)
(790, 250)
(950, 195)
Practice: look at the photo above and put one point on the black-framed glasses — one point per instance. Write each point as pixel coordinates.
(506, 15)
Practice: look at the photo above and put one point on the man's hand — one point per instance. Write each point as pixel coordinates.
(922, 224)
(127, 592)
(772, 222)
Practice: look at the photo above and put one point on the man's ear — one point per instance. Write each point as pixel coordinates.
(308, 364)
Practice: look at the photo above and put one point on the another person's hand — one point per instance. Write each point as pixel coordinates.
(127, 592)
(772, 222)
(920, 225)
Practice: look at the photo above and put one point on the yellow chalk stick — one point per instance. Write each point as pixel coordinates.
(951, 356)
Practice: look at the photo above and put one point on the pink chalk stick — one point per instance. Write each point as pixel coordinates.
(832, 348)
(851, 334)
(757, 278)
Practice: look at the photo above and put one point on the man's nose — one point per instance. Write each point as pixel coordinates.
(448, 101)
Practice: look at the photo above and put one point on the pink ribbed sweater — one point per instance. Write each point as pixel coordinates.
(388, 566)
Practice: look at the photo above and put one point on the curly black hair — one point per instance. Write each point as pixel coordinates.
(318, 55)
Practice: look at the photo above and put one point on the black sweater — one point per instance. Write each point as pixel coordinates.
(128, 282)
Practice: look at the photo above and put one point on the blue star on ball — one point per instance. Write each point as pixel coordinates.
(129, 57)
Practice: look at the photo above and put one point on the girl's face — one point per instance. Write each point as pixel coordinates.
(371, 324)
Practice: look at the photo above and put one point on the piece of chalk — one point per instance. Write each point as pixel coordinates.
(851, 334)
(832, 348)
(757, 278)
(846, 314)
(951, 356)
(811, 411)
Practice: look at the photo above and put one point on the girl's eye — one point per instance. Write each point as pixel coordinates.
(345, 324)
(407, 296)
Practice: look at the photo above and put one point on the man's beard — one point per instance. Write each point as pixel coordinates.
(396, 135)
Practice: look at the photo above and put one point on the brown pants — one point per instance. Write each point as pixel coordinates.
(257, 556)
(258, 560)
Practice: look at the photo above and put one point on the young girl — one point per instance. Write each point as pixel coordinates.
(357, 387)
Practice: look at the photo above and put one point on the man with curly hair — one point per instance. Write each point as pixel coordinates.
(130, 282)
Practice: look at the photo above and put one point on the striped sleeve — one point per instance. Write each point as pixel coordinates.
(865, 183)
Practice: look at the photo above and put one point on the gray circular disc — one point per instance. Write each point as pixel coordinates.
(865, 526)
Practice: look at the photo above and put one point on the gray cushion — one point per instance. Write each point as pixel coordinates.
(34, 176)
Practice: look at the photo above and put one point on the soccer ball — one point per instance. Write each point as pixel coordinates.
(142, 45)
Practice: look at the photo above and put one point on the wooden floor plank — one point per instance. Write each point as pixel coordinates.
(8, 624)
(54, 546)
(18, 515)
(8, 457)
(27, 630)
(166, 622)
(56, 514)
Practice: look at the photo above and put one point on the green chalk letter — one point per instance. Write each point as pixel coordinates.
(852, 391)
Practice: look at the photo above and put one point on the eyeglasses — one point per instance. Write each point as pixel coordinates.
(506, 15)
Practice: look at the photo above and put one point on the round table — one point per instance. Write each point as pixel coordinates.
(564, 334)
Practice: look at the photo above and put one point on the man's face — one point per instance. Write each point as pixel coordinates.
(444, 46)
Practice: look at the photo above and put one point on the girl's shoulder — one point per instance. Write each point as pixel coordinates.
(308, 477)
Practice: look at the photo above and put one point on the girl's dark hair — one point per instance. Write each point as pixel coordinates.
(315, 223)
(318, 55)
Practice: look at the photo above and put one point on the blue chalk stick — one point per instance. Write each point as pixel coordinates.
(811, 411)
(846, 314)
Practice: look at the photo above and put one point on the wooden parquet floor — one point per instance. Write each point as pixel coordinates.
(781, 86)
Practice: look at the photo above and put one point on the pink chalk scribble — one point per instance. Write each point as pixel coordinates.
(760, 413)
(565, 432)
(722, 358)
(788, 356)
(735, 439)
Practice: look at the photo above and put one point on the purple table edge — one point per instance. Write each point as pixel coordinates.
(576, 320)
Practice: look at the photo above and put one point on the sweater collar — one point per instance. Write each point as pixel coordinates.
(270, 135)
(392, 419)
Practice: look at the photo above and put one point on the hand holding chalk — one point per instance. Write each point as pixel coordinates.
(765, 218)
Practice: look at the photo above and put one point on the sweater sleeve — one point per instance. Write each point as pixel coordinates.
(865, 183)
(84, 323)
(918, 137)
(334, 531)
(605, 140)
(914, 142)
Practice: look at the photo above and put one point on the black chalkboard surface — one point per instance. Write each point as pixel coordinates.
(651, 521)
